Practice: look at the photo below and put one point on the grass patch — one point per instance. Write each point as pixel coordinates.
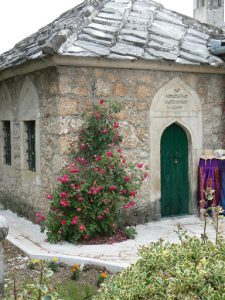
(74, 291)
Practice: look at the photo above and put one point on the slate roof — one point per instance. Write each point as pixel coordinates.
(119, 29)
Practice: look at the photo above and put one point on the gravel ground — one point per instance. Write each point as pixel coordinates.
(16, 265)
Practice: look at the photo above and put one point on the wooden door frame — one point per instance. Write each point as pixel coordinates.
(191, 122)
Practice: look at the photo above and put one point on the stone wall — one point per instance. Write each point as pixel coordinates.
(3, 233)
(63, 94)
(31, 97)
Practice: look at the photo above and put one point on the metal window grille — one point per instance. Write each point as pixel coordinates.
(30, 140)
(7, 142)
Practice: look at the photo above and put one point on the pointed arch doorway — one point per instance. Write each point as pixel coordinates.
(175, 103)
(174, 172)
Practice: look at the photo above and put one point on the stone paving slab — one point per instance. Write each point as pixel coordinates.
(27, 236)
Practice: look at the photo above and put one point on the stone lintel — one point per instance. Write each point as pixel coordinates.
(138, 64)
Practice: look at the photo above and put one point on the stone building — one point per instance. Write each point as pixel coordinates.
(209, 11)
(155, 61)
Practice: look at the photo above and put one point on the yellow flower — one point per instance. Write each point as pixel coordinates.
(35, 261)
(55, 259)
(104, 275)
(76, 266)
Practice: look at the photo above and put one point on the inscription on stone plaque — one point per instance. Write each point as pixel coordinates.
(176, 99)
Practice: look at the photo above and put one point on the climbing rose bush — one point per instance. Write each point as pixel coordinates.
(96, 184)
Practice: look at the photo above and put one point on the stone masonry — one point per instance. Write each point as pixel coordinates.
(63, 94)
(3, 233)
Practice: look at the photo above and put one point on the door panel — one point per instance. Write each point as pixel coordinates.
(174, 172)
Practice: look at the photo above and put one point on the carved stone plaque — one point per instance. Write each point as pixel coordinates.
(174, 99)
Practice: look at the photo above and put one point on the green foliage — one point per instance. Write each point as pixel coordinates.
(130, 232)
(39, 289)
(74, 291)
(187, 271)
(97, 183)
(101, 278)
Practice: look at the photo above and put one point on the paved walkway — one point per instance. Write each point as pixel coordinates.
(27, 236)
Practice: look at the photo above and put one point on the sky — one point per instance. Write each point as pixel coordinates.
(20, 18)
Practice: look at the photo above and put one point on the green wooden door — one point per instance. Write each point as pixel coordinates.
(174, 172)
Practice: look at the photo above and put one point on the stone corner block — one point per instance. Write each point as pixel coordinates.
(4, 228)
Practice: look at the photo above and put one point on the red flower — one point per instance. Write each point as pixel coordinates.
(64, 203)
(109, 154)
(139, 165)
(127, 179)
(74, 220)
(63, 222)
(97, 158)
(82, 227)
(75, 171)
(72, 186)
(132, 193)
(105, 131)
(123, 191)
(116, 124)
(119, 150)
(80, 199)
(86, 237)
(43, 218)
(82, 146)
(98, 115)
(102, 171)
(112, 188)
(100, 217)
(79, 209)
(64, 179)
(63, 194)
(101, 101)
(49, 197)
(130, 204)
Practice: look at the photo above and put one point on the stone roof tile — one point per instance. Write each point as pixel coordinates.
(119, 29)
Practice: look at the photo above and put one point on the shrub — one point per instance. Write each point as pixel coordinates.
(99, 181)
(191, 270)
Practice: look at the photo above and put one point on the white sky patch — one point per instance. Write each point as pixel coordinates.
(21, 18)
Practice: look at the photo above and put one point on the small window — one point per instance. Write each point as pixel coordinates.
(30, 145)
(7, 142)
(198, 3)
(219, 3)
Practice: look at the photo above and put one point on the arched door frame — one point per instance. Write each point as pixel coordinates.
(190, 119)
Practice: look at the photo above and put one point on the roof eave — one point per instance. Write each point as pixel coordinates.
(100, 62)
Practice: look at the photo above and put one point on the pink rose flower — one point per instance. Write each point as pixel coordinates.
(132, 193)
(119, 150)
(112, 188)
(49, 197)
(74, 220)
(109, 154)
(116, 124)
(130, 204)
(80, 199)
(100, 217)
(127, 179)
(63, 222)
(123, 191)
(82, 227)
(64, 203)
(105, 131)
(139, 165)
(97, 158)
(64, 179)
(63, 194)
(86, 237)
(79, 209)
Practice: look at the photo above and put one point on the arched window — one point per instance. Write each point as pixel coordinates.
(29, 115)
(6, 117)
